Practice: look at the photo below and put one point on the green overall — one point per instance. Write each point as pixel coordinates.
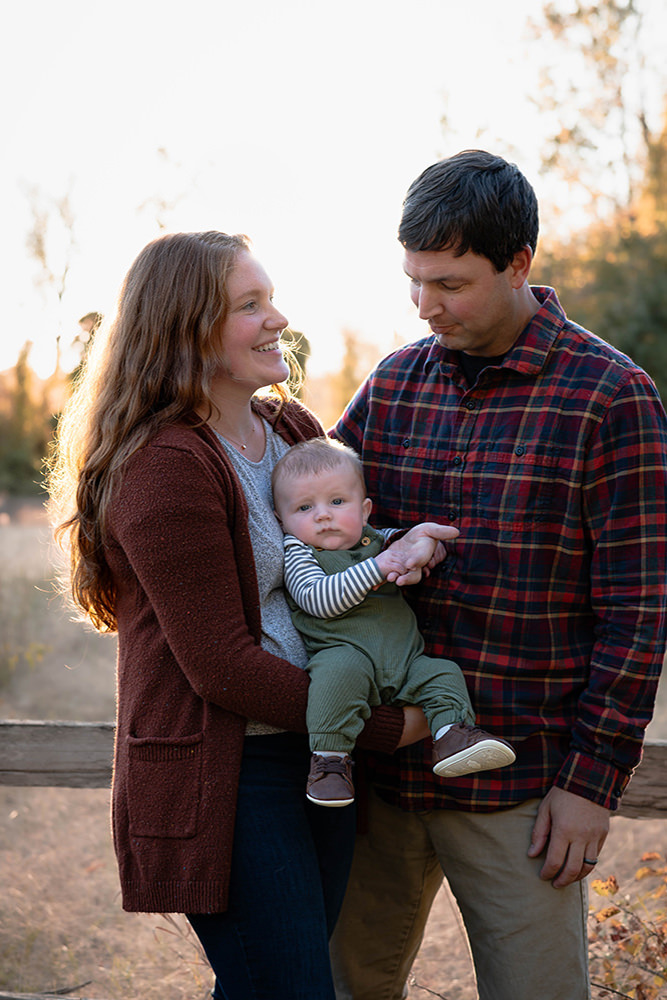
(372, 655)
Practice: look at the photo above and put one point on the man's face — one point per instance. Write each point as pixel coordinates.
(469, 305)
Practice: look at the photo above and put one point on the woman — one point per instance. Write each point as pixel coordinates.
(162, 481)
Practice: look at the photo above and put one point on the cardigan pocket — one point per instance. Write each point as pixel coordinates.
(164, 782)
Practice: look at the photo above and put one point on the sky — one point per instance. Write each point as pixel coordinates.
(296, 122)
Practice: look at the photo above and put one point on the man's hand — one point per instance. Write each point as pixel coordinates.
(416, 552)
(574, 828)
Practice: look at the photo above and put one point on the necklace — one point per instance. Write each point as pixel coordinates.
(238, 444)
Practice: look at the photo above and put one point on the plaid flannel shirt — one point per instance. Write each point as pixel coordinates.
(554, 468)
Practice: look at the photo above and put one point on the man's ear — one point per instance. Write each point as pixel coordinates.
(367, 507)
(520, 265)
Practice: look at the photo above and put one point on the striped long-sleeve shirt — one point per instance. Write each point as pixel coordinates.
(553, 466)
(327, 595)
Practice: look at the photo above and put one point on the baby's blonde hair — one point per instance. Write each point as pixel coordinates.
(310, 458)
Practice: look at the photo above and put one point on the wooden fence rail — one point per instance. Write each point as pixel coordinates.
(79, 755)
(66, 754)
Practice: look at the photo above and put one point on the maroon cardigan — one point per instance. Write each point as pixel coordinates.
(190, 666)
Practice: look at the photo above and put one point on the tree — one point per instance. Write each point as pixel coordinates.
(608, 143)
(51, 242)
(359, 357)
(612, 278)
(26, 427)
(618, 289)
(159, 205)
(595, 98)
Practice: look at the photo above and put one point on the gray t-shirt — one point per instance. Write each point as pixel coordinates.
(279, 636)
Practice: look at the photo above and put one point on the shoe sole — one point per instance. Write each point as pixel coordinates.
(331, 803)
(481, 757)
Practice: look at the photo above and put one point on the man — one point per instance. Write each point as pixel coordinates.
(547, 448)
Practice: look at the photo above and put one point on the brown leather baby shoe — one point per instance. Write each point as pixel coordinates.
(330, 780)
(465, 749)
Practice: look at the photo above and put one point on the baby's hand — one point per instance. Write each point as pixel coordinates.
(418, 551)
(391, 564)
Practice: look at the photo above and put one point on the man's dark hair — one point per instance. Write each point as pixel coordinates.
(472, 201)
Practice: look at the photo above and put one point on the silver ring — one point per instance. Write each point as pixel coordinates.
(588, 861)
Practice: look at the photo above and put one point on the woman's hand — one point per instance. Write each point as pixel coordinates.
(415, 726)
(416, 552)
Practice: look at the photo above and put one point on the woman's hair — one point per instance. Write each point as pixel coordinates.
(471, 201)
(151, 366)
(317, 455)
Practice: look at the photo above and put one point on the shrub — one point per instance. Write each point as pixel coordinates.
(628, 934)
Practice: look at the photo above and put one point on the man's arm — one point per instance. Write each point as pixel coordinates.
(625, 511)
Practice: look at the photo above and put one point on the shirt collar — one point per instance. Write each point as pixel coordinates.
(531, 347)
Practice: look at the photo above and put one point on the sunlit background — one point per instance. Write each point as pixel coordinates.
(298, 122)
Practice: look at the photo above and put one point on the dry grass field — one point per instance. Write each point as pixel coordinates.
(61, 925)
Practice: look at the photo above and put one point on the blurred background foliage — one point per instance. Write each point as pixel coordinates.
(609, 269)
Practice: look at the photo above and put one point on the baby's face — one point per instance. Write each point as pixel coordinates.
(327, 510)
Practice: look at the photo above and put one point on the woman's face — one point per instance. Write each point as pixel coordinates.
(250, 352)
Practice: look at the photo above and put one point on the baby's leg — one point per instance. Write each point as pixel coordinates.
(459, 747)
(341, 693)
(439, 688)
(342, 689)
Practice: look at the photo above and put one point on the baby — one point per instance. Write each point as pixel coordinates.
(361, 635)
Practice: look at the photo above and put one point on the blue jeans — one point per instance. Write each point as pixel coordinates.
(290, 865)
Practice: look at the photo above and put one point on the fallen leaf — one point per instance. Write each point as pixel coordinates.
(605, 887)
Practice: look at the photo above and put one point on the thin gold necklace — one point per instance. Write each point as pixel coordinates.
(238, 444)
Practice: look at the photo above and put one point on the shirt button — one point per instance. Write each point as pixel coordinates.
(519, 450)
(458, 460)
(406, 442)
(470, 405)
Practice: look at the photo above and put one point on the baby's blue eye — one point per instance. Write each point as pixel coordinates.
(338, 501)
(304, 506)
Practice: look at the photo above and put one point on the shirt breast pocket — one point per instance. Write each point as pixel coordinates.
(411, 483)
(519, 488)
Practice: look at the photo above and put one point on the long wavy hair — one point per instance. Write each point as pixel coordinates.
(153, 365)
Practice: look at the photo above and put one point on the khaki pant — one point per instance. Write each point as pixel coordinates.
(528, 940)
